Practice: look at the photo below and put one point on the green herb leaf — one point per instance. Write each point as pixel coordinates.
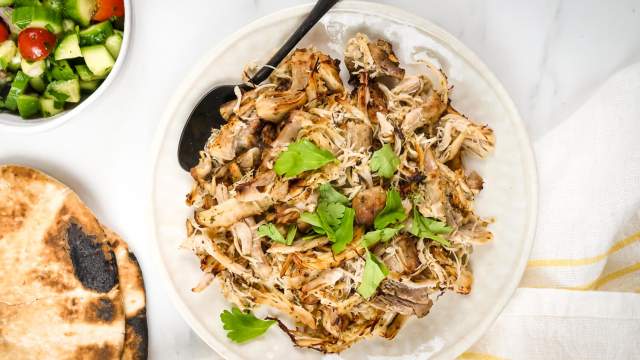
(392, 212)
(344, 234)
(373, 237)
(384, 161)
(301, 156)
(433, 229)
(291, 234)
(311, 218)
(373, 274)
(271, 231)
(243, 326)
(330, 213)
(330, 195)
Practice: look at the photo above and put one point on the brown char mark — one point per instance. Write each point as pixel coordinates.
(94, 265)
(136, 337)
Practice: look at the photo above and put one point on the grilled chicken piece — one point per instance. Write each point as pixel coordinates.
(398, 305)
(359, 135)
(475, 182)
(458, 132)
(233, 138)
(296, 122)
(406, 253)
(253, 198)
(275, 105)
(375, 59)
(368, 203)
(384, 58)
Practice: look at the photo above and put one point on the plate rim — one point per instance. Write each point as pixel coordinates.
(408, 19)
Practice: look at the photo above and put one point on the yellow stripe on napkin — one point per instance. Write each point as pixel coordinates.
(594, 285)
(585, 261)
(477, 356)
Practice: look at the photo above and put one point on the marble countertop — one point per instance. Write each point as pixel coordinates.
(549, 54)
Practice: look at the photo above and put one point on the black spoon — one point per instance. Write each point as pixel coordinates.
(206, 115)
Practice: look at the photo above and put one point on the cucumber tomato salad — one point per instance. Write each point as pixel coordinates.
(54, 53)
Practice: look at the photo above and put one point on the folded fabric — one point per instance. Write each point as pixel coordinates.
(587, 247)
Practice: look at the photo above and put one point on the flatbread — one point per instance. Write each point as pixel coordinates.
(60, 294)
(135, 306)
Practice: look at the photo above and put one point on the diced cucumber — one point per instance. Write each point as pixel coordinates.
(57, 5)
(61, 70)
(69, 48)
(64, 90)
(18, 86)
(98, 59)
(80, 11)
(50, 107)
(113, 44)
(37, 17)
(19, 3)
(8, 50)
(6, 2)
(96, 34)
(28, 105)
(33, 69)
(16, 62)
(38, 84)
(68, 25)
(86, 74)
(89, 86)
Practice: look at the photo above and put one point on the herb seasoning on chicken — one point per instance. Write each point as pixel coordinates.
(349, 210)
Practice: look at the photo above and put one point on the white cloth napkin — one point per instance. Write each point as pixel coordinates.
(580, 295)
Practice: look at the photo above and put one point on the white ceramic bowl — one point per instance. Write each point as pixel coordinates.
(510, 193)
(14, 123)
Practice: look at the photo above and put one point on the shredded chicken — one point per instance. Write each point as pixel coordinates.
(236, 190)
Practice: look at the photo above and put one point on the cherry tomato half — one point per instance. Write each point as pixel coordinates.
(35, 43)
(4, 32)
(108, 9)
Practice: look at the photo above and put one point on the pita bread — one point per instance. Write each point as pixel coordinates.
(64, 298)
(135, 309)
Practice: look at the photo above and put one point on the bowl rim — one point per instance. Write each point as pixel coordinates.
(14, 123)
(402, 16)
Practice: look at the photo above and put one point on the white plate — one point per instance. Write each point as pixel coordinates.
(510, 194)
(14, 123)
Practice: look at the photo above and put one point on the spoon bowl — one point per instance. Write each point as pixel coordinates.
(206, 115)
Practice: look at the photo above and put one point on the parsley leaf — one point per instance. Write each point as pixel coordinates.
(271, 231)
(301, 156)
(344, 233)
(384, 161)
(291, 234)
(332, 217)
(373, 237)
(330, 213)
(330, 195)
(392, 212)
(373, 274)
(424, 227)
(243, 326)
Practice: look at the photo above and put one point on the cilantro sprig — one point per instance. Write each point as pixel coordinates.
(243, 326)
(384, 161)
(383, 235)
(424, 227)
(393, 211)
(332, 217)
(374, 272)
(271, 231)
(301, 156)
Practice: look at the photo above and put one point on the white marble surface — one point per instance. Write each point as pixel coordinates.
(549, 54)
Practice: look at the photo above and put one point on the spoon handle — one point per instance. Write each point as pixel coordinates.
(321, 8)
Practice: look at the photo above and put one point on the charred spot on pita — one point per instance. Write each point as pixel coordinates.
(136, 338)
(93, 265)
